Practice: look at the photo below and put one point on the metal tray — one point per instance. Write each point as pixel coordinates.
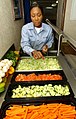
(57, 72)
(6, 105)
(35, 62)
(37, 99)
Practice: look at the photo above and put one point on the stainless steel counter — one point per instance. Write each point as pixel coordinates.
(67, 70)
(2, 95)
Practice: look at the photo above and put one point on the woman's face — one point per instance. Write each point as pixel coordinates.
(36, 16)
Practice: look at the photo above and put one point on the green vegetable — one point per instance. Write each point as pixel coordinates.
(40, 64)
(40, 91)
(11, 56)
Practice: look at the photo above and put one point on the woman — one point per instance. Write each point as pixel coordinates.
(37, 37)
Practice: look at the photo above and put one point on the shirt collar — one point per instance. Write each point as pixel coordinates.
(32, 27)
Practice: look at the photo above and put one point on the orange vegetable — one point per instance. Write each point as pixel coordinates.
(16, 52)
(48, 111)
(16, 58)
(11, 70)
(34, 77)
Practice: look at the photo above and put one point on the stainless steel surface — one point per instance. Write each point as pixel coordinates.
(2, 95)
(59, 41)
(71, 60)
(59, 31)
(68, 72)
(55, 28)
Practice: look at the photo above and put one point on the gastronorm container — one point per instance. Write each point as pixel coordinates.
(57, 72)
(6, 105)
(9, 93)
(29, 64)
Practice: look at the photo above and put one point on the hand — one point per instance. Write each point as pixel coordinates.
(45, 49)
(37, 54)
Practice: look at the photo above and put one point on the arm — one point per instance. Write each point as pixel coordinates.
(49, 42)
(37, 54)
(50, 39)
(25, 43)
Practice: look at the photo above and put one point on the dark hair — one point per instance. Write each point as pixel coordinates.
(35, 4)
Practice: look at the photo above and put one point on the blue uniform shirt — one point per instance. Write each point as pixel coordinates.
(31, 40)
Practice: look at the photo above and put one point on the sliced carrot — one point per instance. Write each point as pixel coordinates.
(48, 111)
(33, 77)
(25, 115)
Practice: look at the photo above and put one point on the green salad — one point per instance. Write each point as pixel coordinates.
(41, 64)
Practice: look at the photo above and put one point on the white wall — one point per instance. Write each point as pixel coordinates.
(70, 25)
(10, 30)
